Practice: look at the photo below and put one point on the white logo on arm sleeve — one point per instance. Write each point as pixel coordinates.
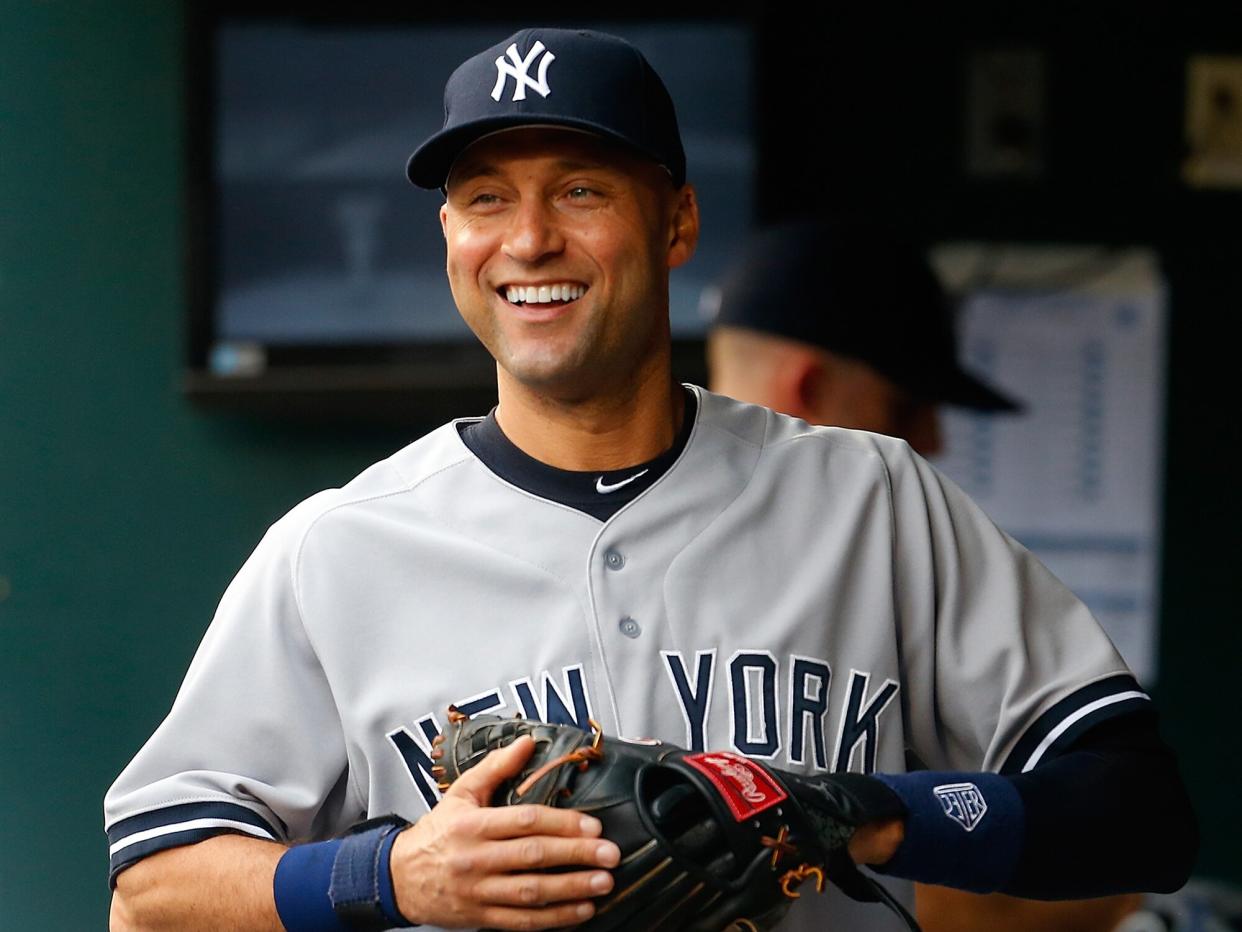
(963, 803)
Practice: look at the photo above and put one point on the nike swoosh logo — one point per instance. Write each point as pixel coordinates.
(604, 488)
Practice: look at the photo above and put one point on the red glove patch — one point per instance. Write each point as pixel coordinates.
(745, 786)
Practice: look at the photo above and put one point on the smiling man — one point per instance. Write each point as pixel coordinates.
(559, 250)
(608, 545)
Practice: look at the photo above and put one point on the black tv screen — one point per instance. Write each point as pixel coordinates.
(319, 258)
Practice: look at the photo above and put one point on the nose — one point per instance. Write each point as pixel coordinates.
(533, 233)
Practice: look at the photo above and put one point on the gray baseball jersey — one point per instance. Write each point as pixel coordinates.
(816, 597)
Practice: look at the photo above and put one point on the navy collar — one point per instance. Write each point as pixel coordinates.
(599, 494)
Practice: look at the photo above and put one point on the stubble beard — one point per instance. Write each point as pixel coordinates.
(553, 365)
(579, 370)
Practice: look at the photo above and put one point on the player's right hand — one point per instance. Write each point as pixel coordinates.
(466, 864)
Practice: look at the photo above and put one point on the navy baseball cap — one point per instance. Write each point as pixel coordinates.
(856, 289)
(573, 78)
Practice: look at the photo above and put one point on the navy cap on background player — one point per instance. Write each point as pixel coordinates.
(855, 289)
(573, 78)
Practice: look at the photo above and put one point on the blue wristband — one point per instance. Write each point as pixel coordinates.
(340, 885)
(963, 830)
(303, 876)
(387, 894)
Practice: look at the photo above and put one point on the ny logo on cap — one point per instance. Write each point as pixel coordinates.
(518, 71)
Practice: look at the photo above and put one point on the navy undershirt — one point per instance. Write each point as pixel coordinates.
(1108, 814)
(599, 494)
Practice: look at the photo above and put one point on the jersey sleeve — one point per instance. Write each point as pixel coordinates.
(253, 743)
(1005, 667)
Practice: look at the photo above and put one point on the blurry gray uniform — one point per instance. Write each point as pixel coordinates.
(816, 597)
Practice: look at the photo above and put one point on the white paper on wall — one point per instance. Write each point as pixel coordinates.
(1079, 336)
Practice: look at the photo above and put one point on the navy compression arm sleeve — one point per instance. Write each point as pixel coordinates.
(1110, 815)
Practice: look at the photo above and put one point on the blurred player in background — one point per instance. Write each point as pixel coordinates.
(845, 323)
(841, 323)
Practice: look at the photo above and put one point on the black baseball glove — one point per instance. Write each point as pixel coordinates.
(709, 841)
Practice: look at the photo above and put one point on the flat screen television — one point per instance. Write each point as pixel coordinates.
(317, 270)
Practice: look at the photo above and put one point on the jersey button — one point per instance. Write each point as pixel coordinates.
(613, 560)
(629, 627)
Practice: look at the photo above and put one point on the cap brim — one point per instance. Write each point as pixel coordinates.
(429, 166)
(965, 390)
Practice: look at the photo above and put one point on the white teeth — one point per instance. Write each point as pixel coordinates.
(542, 294)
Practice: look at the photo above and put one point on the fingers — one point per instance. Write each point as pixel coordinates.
(536, 890)
(450, 875)
(537, 852)
(503, 840)
(541, 901)
(518, 821)
(480, 782)
(876, 842)
(550, 917)
(469, 864)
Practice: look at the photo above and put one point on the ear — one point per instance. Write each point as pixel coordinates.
(684, 227)
(798, 381)
(444, 219)
(807, 378)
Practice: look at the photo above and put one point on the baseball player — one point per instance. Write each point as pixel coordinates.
(608, 544)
